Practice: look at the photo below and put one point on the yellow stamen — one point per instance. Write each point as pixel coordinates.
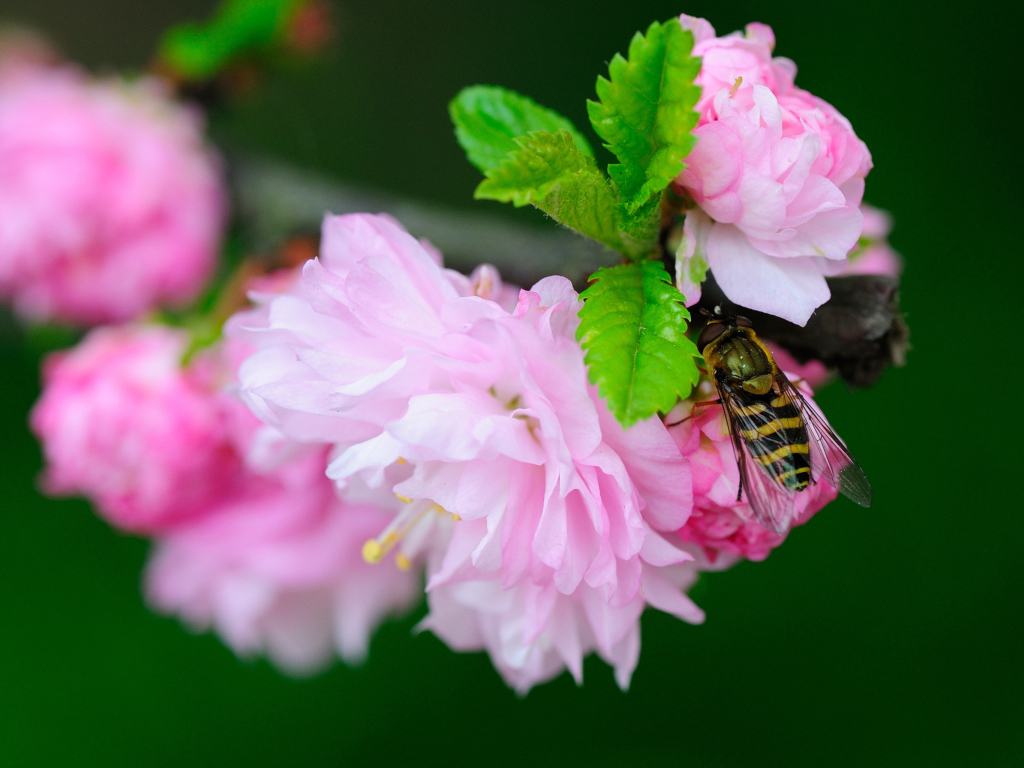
(735, 87)
(372, 552)
(401, 460)
(404, 521)
(403, 562)
(403, 499)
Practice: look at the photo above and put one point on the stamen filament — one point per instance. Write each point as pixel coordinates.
(375, 549)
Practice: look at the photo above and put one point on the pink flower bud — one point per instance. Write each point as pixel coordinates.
(149, 442)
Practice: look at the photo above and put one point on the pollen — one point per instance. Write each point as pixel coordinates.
(403, 562)
(401, 460)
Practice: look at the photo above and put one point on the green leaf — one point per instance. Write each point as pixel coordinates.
(549, 171)
(239, 27)
(488, 119)
(646, 111)
(633, 328)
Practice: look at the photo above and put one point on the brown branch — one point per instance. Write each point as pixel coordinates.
(276, 201)
(860, 331)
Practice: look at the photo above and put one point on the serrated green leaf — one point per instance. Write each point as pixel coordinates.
(488, 119)
(646, 111)
(537, 163)
(633, 328)
(549, 170)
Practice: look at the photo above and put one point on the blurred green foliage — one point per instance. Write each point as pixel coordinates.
(198, 51)
(881, 637)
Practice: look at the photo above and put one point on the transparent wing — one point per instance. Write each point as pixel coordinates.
(772, 502)
(830, 458)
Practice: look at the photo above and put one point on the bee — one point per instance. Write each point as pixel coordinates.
(782, 442)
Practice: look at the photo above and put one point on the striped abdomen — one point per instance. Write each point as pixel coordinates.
(779, 440)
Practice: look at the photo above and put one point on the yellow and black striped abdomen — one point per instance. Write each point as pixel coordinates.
(776, 438)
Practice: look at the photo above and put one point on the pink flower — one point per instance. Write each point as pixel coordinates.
(150, 442)
(778, 175)
(719, 524)
(533, 632)
(813, 372)
(276, 569)
(398, 363)
(874, 255)
(110, 204)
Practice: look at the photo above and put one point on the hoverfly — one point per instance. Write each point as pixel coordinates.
(782, 443)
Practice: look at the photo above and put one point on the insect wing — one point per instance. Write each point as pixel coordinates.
(830, 458)
(772, 502)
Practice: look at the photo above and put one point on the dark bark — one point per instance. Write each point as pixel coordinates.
(859, 331)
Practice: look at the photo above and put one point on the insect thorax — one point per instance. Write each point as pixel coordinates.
(737, 356)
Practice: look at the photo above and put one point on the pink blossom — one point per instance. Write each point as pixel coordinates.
(276, 569)
(777, 173)
(874, 255)
(110, 203)
(397, 362)
(813, 372)
(720, 524)
(121, 422)
(533, 632)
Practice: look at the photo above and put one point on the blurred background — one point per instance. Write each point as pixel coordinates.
(890, 636)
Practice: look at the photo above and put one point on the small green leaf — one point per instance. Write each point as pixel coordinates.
(633, 328)
(549, 171)
(646, 111)
(488, 119)
(538, 163)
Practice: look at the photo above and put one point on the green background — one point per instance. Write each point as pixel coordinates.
(890, 636)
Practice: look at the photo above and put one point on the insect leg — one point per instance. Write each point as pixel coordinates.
(703, 404)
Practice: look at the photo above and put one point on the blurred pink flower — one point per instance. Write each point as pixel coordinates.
(777, 173)
(874, 256)
(276, 569)
(123, 423)
(719, 524)
(399, 362)
(814, 372)
(110, 204)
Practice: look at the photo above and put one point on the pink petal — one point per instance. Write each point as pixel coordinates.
(788, 288)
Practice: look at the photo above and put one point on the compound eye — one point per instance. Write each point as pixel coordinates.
(711, 331)
(744, 322)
